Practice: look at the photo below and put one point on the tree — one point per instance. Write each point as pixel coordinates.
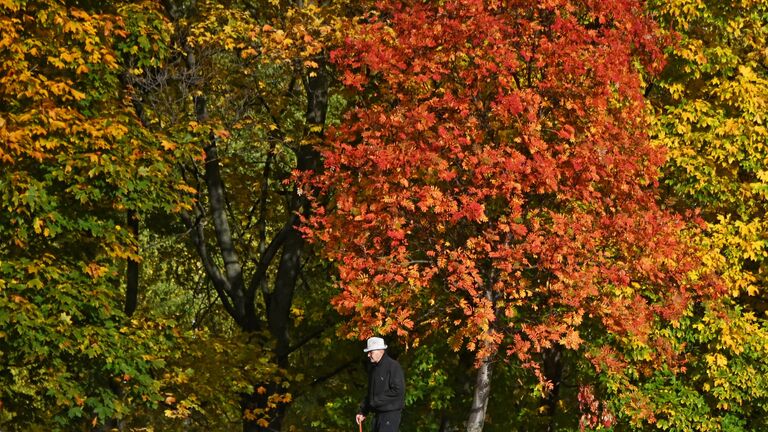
(74, 161)
(721, 386)
(248, 87)
(709, 106)
(494, 182)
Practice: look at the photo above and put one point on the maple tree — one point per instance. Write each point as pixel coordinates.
(74, 164)
(92, 157)
(709, 106)
(494, 181)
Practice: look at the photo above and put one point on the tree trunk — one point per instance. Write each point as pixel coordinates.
(482, 392)
(236, 294)
(481, 396)
(232, 267)
(445, 423)
(307, 159)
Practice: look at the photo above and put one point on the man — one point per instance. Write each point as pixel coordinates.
(386, 389)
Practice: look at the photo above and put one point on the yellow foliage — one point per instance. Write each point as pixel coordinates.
(711, 117)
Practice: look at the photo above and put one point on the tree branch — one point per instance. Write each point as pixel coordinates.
(220, 284)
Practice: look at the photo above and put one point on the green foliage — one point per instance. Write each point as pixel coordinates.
(429, 376)
(74, 161)
(722, 386)
(68, 355)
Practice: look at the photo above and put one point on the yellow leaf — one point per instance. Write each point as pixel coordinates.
(67, 57)
(186, 188)
(11, 5)
(96, 270)
(167, 145)
(222, 133)
(77, 95)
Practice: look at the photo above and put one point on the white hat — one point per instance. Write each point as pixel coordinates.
(375, 343)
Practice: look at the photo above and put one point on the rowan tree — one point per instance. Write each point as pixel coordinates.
(495, 181)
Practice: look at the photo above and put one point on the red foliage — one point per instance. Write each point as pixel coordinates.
(495, 177)
(594, 413)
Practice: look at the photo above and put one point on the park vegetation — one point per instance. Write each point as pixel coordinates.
(554, 211)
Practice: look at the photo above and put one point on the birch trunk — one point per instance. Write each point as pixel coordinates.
(481, 397)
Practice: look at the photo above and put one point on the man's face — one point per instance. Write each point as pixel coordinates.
(375, 355)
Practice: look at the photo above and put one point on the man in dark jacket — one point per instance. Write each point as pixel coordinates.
(386, 389)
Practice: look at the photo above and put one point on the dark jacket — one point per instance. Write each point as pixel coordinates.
(386, 387)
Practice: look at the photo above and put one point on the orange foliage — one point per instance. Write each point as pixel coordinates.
(495, 180)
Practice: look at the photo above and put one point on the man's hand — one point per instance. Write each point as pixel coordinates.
(359, 418)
